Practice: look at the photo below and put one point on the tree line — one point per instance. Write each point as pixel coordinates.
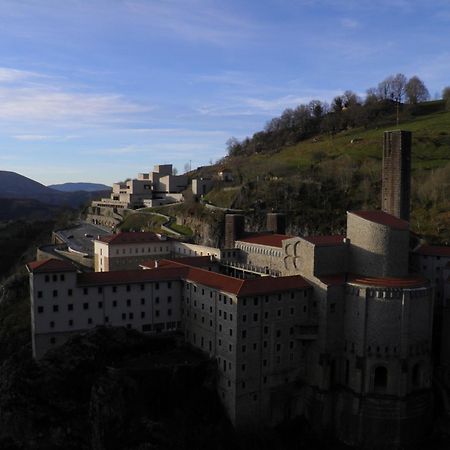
(395, 95)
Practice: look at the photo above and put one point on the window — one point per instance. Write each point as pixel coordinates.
(231, 332)
(278, 333)
(169, 299)
(124, 316)
(244, 334)
(157, 300)
(100, 290)
(244, 348)
(169, 284)
(55, 277)
(47, 278)
(100, 304)
(39, 294)
(85, 305)
(52, 324)
(128, 288)
(142, 301)
(89, 321)
(114, 288)
(52, 340)
(70, 307)
(169, 313)
(85, 291)
(69, 292)
(131, 316)
(142, 314)
(142, 287)
(70, 323)
(255, 317)
(55, 293)
(128, 302)
(244, 318)
(114, 304)
(278, 312)
(156, 286)
(380, 379)
(333, 307)
(40, 309)
(156, 312)
(55, 308)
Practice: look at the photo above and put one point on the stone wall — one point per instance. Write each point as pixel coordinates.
(377, 250)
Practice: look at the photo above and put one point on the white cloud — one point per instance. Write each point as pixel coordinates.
(194, 20)
(8, 75)
(55, 105)
(42, 137)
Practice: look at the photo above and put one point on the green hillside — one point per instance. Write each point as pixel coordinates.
(317, 180)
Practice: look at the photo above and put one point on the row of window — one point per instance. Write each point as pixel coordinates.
(136, 250)
(125, 316)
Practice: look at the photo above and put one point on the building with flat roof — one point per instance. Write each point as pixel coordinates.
(150, 189)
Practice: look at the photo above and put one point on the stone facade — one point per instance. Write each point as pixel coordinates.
(396, 176)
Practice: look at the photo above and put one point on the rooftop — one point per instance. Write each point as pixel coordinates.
(382, 218)
(325, 240)
(267, 239)
(130, 237)
(433, 250)
(237, 286)
(389, 282)
(50, 265)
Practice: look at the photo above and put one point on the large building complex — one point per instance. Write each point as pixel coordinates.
(149, 189)
(335, 328)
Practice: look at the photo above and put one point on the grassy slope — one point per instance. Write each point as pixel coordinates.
(328, 154)
(431, 147)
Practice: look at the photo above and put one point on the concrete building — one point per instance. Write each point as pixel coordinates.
(334, 328)
(149, 189)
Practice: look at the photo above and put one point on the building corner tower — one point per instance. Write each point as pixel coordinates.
(396, 176)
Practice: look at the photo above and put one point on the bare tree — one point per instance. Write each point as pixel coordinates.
(416, 91)
(398, 87)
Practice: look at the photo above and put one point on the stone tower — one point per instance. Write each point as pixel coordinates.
(396, 177)
(234, 228)
(276, 223)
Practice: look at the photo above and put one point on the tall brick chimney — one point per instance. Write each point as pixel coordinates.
(276, 223)
(396, 176)
(234, 228)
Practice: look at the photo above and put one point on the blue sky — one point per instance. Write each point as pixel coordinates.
(99, 90)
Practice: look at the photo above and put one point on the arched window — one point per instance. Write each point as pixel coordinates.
(416, 376)
(380, 379)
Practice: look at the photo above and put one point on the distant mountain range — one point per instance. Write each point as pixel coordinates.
(73, 187)
(16, 188)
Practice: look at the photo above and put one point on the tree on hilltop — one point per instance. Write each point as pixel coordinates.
(416, 91)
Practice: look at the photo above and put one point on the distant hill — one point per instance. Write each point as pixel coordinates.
(73, 187)
(20, 190)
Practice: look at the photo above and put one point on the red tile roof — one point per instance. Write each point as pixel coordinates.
(50, 265)
(383, 219)
(130, 237)
(268, 239)
(195, 261)
(433, 250)
(325, 240)
(389, 282)
(176, 270)
(130, 276)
